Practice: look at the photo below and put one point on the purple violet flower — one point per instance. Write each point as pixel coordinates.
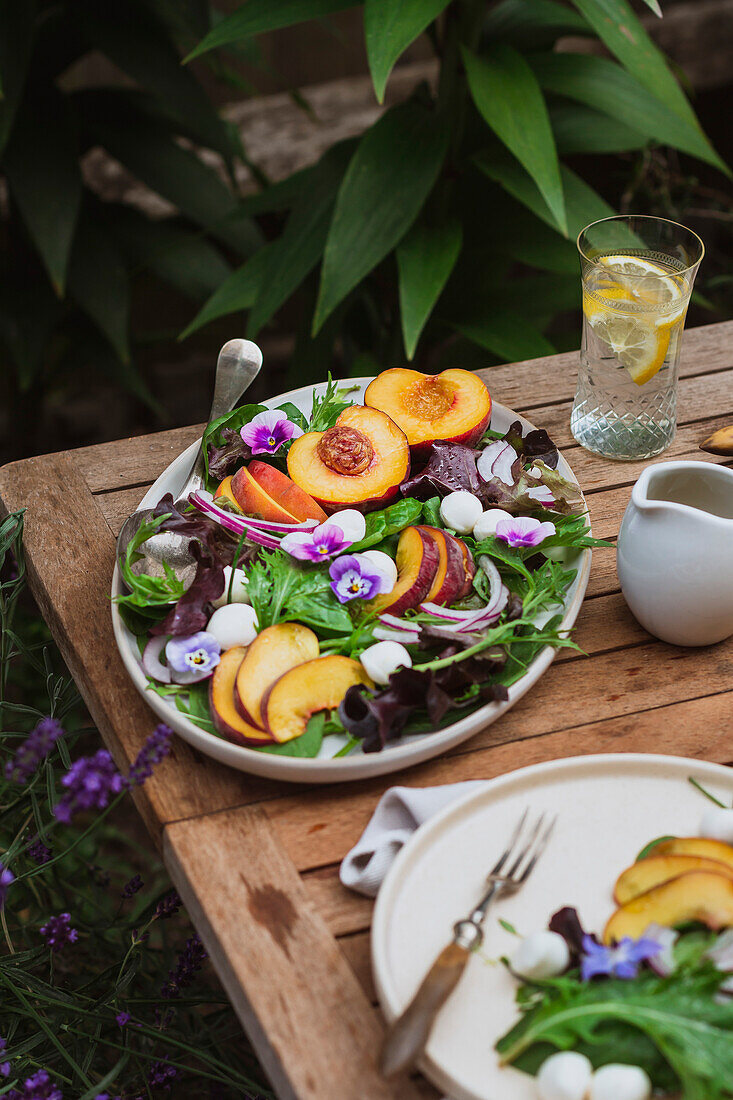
(6, 878)
(524, 531)
(621, 961)
(267, 431)
(33, 750)
(37, 1087)
(355, 577)
(183, 973)
(156, 747)
(192, 657)
(168, 905)
(89, 782)
(319, 544)
(57, 931)
(131, 888)
(123, 1019)
(39, 852)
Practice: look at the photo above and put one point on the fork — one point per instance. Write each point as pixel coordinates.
(407, 1036)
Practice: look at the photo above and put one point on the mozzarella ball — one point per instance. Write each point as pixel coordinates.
(234, 624)
(384, 658)
(541, 955)
(717, 824)
(238, 585)
(351, 522)
(564, 1076)
(617, 1082)
(460, 511)
(486, 523)
(383, 562)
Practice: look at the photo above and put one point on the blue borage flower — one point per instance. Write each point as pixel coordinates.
(620, 961)
(267, 431)
(355, 577)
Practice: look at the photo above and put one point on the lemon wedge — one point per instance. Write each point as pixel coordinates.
(641, 348)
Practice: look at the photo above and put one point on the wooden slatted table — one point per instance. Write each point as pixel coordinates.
(256, 862)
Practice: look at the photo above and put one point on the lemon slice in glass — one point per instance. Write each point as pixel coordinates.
(638, 346)
(634, 274)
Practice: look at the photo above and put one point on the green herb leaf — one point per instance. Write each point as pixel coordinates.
(146, 591)
(281, 589)
(328, 406)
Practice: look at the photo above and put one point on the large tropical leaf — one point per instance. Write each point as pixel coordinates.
(601, 83)
(390, 176)
(425, 259)
(390, 26)
(235, 294)
(581, 129)
(259, 16)
(16, 38)
(28, 314)
(532, 24)
(98, 282)
(43, 172)
(506, 93)
(508, 335)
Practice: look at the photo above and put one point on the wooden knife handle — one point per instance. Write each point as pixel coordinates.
(406, 1038)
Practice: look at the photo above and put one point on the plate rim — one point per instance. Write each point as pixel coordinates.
(343, 769)
(379, 929)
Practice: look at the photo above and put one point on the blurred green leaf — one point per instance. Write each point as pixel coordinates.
(98, 282)
(507, 95)
(16, 39)
(259, 16)
(383, 191)
(425, 259)
(601, 83)
(507, 335)
(531, 24)
(300, 247)
(28, 314)
(236, 293)
(580, 129)
(43, 174)
(390, 26)
(654, 5)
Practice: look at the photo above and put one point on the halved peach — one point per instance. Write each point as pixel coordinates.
(696, 896)
(302, 691)
(287, 494)
(417, 560)
(651, 872)
(224, 489)
(224, 714)
(694, 846)
(454, 405)
(274, 651)
(358, 463)
(450, 575)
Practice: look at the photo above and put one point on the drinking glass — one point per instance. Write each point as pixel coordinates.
(637, 275)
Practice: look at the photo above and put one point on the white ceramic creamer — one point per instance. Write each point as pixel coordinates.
(675, 552)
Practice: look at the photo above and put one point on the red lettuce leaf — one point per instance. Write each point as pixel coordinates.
(450, 467)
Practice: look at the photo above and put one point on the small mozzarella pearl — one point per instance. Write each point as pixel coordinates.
(460, 511)
(351, 522)
(234, 624)
(384, 658)
(717, 824)
(617, 1082)
(239, 588)
(486, 523)
(541, 955)
(383, 562)
(564, 1076)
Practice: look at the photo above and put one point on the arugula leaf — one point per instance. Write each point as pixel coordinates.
(328, 406)
(282, 589)
(146, 591)
(308, 744)
(389, 521)
(190, 699)
(572, 531)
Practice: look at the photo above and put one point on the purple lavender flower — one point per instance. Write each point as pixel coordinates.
(318, 544)
(33, 750)
(6, 878)
(267, 431)
(161, 1073)
(38, 1087)
(355, 577)
(193, 657)
(168, 905)
(524, 531)
(156, 747)
(183, 973)
(123, 1019)
(39, 852)
(131, 888)
(621, 961)
(57, 931)
(89, 782)
(4, 1069)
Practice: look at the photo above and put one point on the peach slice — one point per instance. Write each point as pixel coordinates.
(224, 489)
(255, 501)
(359, 463)
(469, 566)
(274, 651)
(694, 846)
(224, 714)
(695, 896)
(285, 492)
(450, 576)
(651, 872)
(454, 405)
(418, 561)
(302, 691)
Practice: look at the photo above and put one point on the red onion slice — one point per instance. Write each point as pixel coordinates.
(399, 624)
(238, 525)
(152, 665)
(446, 612)
(497, 460)
(391, 634)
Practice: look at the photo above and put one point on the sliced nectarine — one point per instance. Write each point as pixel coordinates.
(302, 691)
(224, 489)
(450, 575)
(651, 872)
(255, 501)
(454, 405)
(417, 560)
(224, 714)
(287, 494)
(694, 846)
(695, 896)
(469, 566)
(358, 463)
(275, 650)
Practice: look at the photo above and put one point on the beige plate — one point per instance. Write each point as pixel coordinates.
(324, 769)
(608, 808)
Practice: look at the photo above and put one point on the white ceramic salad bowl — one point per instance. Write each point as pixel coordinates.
(326, 767)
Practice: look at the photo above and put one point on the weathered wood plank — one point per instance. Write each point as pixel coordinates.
(298, 999)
